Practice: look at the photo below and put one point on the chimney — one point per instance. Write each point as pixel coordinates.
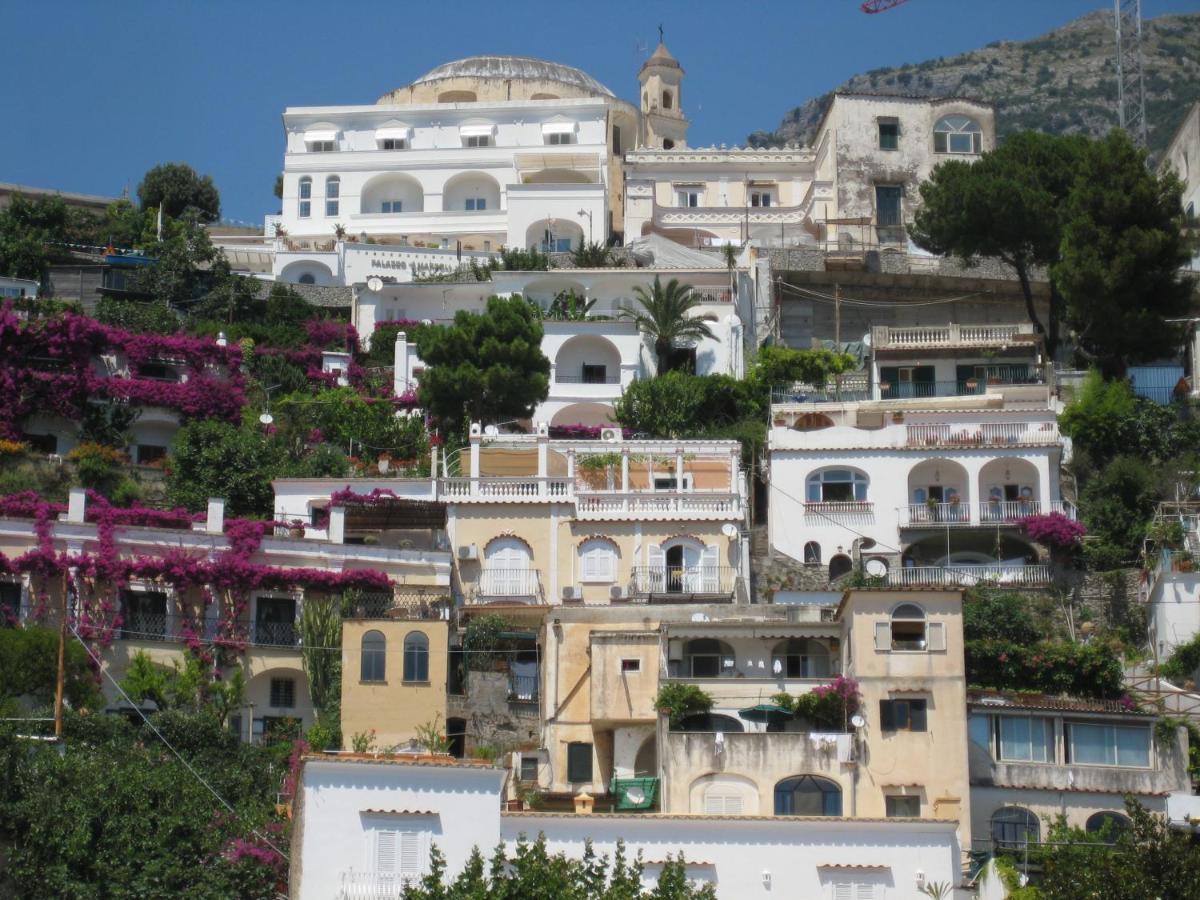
(77, 505)
(216, 515)
(584, 803)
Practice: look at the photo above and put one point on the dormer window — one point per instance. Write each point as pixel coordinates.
(476, 135)
(558, 132)
(321, 140)
(393, 144)
(957, 134)
(392, 137)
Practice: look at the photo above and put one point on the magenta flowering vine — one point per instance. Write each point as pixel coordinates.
(1055, 530)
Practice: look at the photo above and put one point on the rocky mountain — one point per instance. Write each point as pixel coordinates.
(1064, 81)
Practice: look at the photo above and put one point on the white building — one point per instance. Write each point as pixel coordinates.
(924, 466)
(1183, 158)
(364, 827)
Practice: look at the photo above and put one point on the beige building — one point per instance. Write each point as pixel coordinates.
(393, 678)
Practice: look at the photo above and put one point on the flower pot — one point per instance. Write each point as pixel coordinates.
(296, 531)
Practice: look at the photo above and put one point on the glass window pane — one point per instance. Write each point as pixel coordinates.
(939, 143)
(1014, 738)
(1092, 745)
(980, 730)
(960, 143)
(1133, 746)
(1041, 740)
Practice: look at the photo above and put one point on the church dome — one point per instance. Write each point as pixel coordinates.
(498, 69)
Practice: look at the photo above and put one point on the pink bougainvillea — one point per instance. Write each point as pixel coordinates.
(1054, 530)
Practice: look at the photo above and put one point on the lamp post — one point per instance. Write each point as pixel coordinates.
(588, 213)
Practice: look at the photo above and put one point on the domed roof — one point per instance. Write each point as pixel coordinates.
(524, 68)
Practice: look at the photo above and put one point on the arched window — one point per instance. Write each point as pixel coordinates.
(724, 795)
(808, 795)
(374, 657)
(333, 191)
(1108, 825)
(837, 486)
(416, 657)
(708, 658)
(957, 134)
(1014, 826)
(668, 144)
(710, 722)
(800, 658)
(307, 278)
(666, 99)
(812, 554)
(840, 565)
(908, 627)
(305, 195)
(598, 561)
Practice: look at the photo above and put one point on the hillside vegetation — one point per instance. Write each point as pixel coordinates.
(1061, 82)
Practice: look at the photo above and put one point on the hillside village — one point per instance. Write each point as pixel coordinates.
(539, 502)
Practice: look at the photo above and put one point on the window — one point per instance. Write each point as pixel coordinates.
(275, 621)
(373, 666)
(322, 146)
(671, 483)
(908, 807)
(837, 486)
(283, 693)
(1108, 745)
(808, 795)
(10, 603)
(392, 206)
(857, 890)
(305, 195)
(159, 371)
(476, 203)
(687, 197)
(598, 561)
(889, 134)
(1108, 825)
(416, 657)
(560, 137)
(41, 443)
(333, 190)
(400, 849)
(1013, 826)
(761, 198)
(908, 627)
(812, 554)
(666, 99)
(631, 665)
(477, 140)
(888, 213)
(957, 134)
(394, 144)
(529, 768)
(708, 658)
(800, 658)
(307, 278)
(1025, 739)
(724, 800)
(579, 762)
(668, 144)
(150, 453)
(902, 715)
(979, 732)
(616, 140)
(144, 615)
(595, 373)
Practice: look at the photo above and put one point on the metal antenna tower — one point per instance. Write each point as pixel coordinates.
(1131, 91)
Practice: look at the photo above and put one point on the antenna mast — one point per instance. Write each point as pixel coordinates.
(1131, 91)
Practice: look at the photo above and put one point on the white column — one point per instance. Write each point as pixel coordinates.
(77, 505)
(400, 361)
(625, 470)
(476, 437)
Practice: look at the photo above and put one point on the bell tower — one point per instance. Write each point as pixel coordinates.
(663, 124)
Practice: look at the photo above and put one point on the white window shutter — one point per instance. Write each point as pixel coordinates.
(658, 558)
(866, 891)
(883, 635)
(843, 890)
(386, 856)
(410, 852)
(935, 636)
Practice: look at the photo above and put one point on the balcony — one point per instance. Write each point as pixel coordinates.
(688, 505)
(729, 215)
(843, 511)
(968, 576)
(970, 387)
(509, 585)
(374, 885)
(274, 634)
(985, 434)
(1007, 512)
(925, 337)
(683, 584)
(523, 688)
(490, 489)
(145, 626)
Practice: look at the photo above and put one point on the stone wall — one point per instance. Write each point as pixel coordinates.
(491, 718)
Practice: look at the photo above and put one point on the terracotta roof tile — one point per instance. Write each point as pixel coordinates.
(1017, 700)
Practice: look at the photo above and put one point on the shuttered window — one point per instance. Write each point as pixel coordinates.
(902, 715)
(401, 851)
(857, 890)
(723, 800)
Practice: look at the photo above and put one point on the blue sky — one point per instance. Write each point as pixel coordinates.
(95, 93)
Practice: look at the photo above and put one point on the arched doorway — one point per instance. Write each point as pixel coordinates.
(1008, 490)
(554, 235)
(645, 764)
(939, 492)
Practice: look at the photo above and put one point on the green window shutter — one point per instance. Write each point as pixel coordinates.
(886, 716)
(916, 715)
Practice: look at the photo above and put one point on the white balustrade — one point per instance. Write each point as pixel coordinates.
(509, 583)
(374, 885)
(966, 576)
(945, 335)
(986, 434)
(684, 505)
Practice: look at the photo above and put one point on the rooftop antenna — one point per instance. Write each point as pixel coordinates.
(660, 33)
(1131, 91)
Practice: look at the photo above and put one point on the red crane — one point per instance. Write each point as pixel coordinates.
(878, 6)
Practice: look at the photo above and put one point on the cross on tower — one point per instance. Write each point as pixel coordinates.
(660, 34)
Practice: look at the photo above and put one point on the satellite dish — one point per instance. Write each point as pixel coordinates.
(866, 340)
(375, 284)
(866, 543)
(491, 431)
(729, 530)
(876, 568)
(266, 418)
(858, 721)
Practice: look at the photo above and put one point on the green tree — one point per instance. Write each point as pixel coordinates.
(487, 368)
(232, 297)
(29, 668)
(665, 317)
(1118, 503)
(216, 459)
(679, 405)
(176, 188)
(320, 629)
(133, 315)
(182, 257)
(592, 256)
(777, 366)
(997, 614)
(26, 226)
(279, 185)
(1007, 205)
(1122, 251)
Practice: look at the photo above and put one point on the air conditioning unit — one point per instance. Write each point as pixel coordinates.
(612, 435)
(468, 551)
(617, 593)
(571, 592)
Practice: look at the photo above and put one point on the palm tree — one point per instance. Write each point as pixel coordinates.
(664, 316)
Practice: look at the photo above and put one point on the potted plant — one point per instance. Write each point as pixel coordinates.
(898, 417)
(296, 528)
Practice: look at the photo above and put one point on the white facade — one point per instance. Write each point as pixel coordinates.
(347, 807)
(1183, 158)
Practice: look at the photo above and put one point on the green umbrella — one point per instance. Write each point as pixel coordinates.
(765, 712)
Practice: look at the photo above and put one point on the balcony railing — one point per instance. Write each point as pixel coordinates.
(489, 488)
(966, 576)
(664, 583)
(559, 378)
(839, 508)
(935, 514)
(523, 688)
(374, 885)
(993, 512)
(987, 434)
(274, 634)
(682, 505)
(998, 512)
(844, 389)
(145, 626)
(968, 387)
(885, 337)
(514, 584)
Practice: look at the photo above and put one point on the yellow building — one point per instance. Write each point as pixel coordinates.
(393, 678)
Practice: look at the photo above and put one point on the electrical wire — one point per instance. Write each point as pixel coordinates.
(871, 304)
(187, 765)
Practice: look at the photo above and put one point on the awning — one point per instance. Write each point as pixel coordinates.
(476, 130)
(558, 128)
(392, 133)
(322, 134)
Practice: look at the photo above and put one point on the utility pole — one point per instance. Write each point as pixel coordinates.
(60, 681)
(837, 318)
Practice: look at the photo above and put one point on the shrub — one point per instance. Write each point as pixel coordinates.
(1051, 667)
(1055, 530)
(682, 700)
(825, 706)
(1183, 661)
